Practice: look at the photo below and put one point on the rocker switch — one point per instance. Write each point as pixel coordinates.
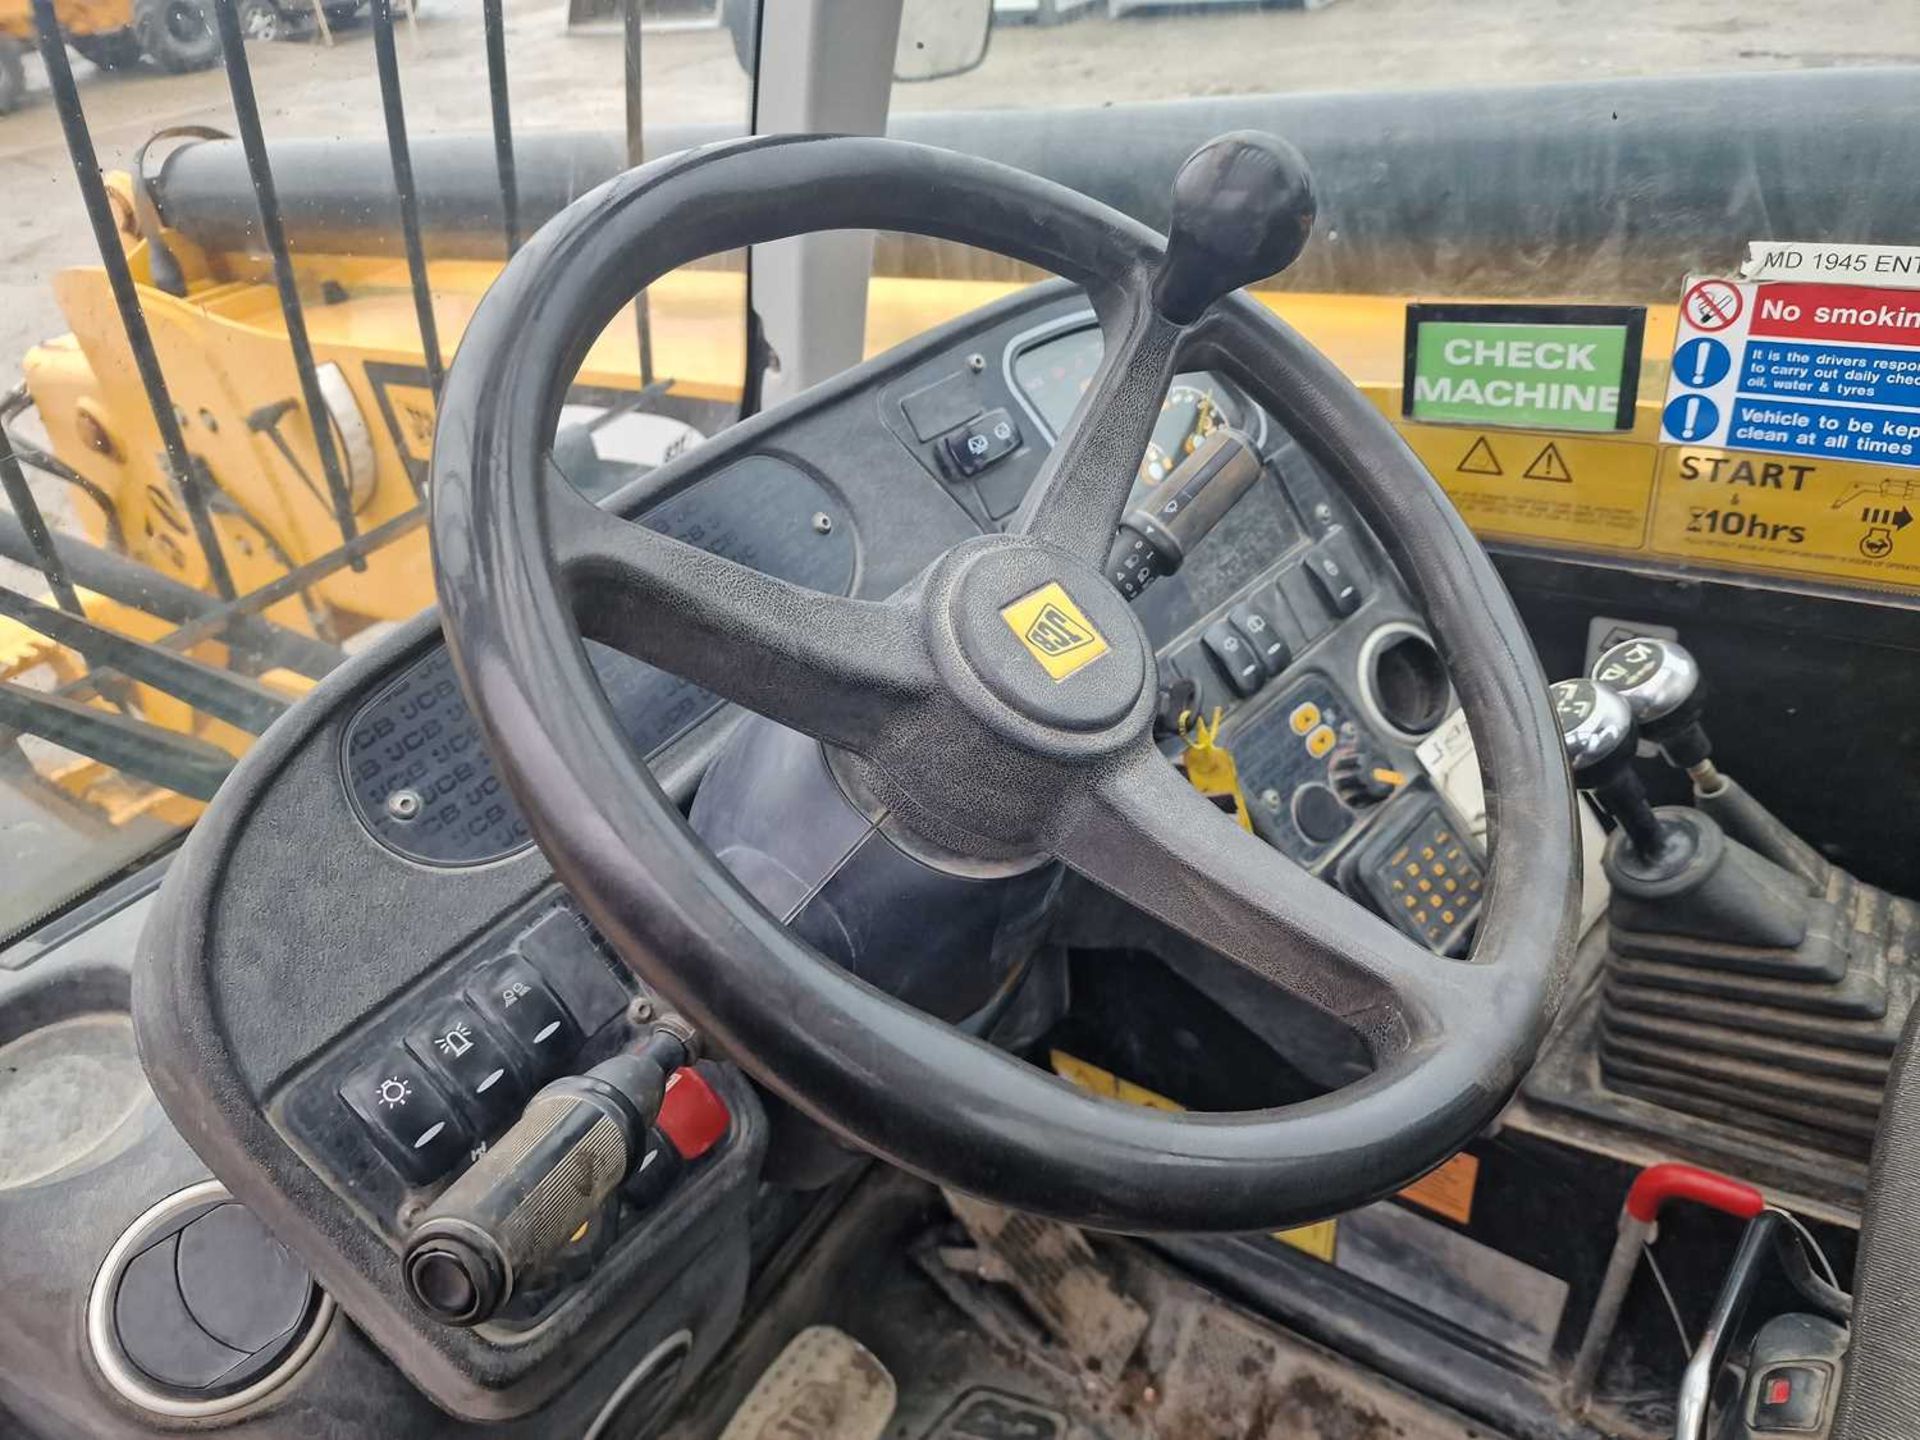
(512, 994)
(416, 1126)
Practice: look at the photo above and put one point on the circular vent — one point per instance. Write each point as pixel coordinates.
(198, 1311)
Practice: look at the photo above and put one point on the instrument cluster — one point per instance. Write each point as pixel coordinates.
(1053, 370)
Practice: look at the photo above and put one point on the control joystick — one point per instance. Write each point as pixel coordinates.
(1674, 872)
(1243, 208)
(1660, 681)
(1662, 685)
(1597, 727)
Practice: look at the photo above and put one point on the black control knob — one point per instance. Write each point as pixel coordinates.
(1660, 681)
(1243, 208)
(1359, 778)
(1597, 728)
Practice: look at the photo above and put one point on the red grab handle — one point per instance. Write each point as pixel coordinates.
(1658, 1184)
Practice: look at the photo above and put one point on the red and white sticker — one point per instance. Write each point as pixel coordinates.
(1791, 367)
(1712, 305)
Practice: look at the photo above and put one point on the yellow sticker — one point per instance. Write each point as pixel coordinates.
(1055, 631)
(1139, 1095)
(1788, 514)
(1563, 489)
(1319, 1239)
(1448, 1191)
(1084, 1074)
(1834, 520)
(1089, 1076)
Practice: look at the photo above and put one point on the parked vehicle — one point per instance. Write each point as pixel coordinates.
(176, 35)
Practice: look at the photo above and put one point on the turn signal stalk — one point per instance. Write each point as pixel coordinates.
(541, 1185)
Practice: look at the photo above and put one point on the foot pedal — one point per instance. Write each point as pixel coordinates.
(824, 1386)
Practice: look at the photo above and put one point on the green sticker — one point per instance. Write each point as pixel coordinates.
(1525, 367)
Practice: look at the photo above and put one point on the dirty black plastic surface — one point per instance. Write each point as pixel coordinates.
(416, 734)
(238, 1005)
(277, 1009)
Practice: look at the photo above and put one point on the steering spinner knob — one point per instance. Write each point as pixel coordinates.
(1597, 728)
(1243, 208)
(1660, 681)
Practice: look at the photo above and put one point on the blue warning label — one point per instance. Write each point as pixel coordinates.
(1842, 374)
(1839, 432)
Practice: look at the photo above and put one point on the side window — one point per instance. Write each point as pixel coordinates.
(208, 515)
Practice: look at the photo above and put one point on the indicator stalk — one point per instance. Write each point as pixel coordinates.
(543, 1186)
(1157, 535)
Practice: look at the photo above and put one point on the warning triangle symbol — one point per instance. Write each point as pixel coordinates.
(1548, 465)
(1479, 460)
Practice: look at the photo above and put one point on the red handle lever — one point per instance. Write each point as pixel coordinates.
(1660, 1183)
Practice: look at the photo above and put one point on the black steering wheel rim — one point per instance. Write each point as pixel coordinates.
(896, 1082)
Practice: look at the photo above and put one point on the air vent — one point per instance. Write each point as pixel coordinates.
(198, 1310)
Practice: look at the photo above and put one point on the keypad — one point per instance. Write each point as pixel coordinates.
(1430, 880)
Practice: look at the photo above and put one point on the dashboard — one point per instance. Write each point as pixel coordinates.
(362, 966)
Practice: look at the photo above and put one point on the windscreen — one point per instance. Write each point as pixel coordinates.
(183, 552)
(1623, 276)
(1626, 277)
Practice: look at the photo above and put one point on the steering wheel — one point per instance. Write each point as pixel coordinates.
(957, 722)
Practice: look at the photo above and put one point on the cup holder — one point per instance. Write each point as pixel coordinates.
(1404, 682)
(70, 1078)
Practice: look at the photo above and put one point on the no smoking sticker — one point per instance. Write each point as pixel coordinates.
(1821, 371)
(1712, 304)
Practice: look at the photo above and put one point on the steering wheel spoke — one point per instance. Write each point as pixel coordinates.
(842, 670)
(1077, 500)
(1148, 836)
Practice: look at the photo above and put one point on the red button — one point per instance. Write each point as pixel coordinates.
(692, 1116)
(1779, 1392)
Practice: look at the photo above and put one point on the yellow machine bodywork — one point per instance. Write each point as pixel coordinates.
(223, 348)
(77, 17)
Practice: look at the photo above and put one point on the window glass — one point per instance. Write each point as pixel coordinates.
(97, 766)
